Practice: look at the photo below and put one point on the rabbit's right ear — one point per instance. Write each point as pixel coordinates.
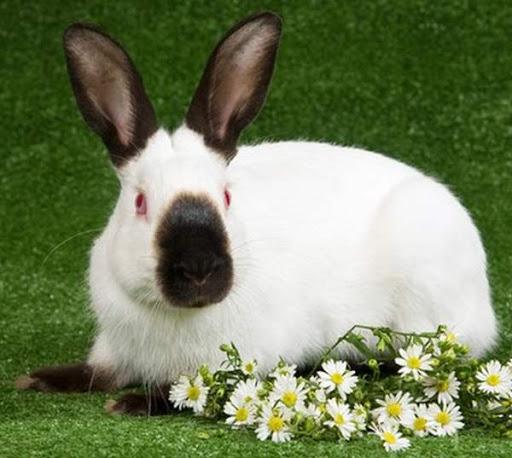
(235, 82)
(109, 91)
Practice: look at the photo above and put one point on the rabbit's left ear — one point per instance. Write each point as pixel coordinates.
(235, 82)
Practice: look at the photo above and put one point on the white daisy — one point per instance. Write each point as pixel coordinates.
(449, 336)
(421, 423)
(283, 369)
(310, 410)
(314, 380)
(273, 423)
(359, 416)
(494, 378)
(446, 419)
(321, 395)
(249, 367)
(395, 408)
(336, 376)
(188, 392)
(239, 413)
(414, 362)
(341, 418)
(446, 389)
(288, 391)
(492, 405)
(246, 392)
(392, 439)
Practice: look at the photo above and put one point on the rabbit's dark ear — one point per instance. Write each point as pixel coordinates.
(108, 91)
(235, 82)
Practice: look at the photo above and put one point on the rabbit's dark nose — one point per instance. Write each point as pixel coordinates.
(198, 271)
(194, 267)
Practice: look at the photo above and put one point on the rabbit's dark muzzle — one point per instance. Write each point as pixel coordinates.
(194, 265)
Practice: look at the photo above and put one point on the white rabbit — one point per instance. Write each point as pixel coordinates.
(278, 247)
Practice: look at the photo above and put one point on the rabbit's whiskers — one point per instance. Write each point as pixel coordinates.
(61, 244)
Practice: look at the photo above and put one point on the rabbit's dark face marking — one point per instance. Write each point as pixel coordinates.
(194, 265)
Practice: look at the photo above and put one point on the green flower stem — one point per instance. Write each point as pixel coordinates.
(375, 331)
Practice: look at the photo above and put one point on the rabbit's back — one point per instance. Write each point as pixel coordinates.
(355, 237)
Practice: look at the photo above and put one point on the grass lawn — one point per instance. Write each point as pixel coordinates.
(428, 84)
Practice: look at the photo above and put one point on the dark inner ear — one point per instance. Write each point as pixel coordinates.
(235, 82)
(109, 91)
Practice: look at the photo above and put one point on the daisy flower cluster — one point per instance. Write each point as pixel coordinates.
(408, 386)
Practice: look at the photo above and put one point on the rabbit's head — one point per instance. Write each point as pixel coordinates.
(167, 237)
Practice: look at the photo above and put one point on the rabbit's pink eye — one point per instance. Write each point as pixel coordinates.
(140, 204)
(227, 198)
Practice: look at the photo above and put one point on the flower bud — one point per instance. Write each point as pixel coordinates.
(464, 349)
(373, 364)
(309, 425)
(449, 354)
(359, 395)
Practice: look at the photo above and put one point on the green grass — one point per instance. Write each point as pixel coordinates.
(430, 84)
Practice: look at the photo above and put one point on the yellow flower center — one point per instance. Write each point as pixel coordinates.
(389, 437)
(394, 409)
(360, 412)
(443, 418)
(249, 368)
(275, 423)
(337, 378)
(413, 362)
(289, 398)
(248, 399)
(493, 379)
(339, 419)
(420, 424)
(442, 386)
(451, 337)
(193, 393)
(242, 414)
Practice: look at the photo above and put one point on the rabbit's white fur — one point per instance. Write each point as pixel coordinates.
(322, 237)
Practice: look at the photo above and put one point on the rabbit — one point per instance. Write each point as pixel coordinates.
(277, 247)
